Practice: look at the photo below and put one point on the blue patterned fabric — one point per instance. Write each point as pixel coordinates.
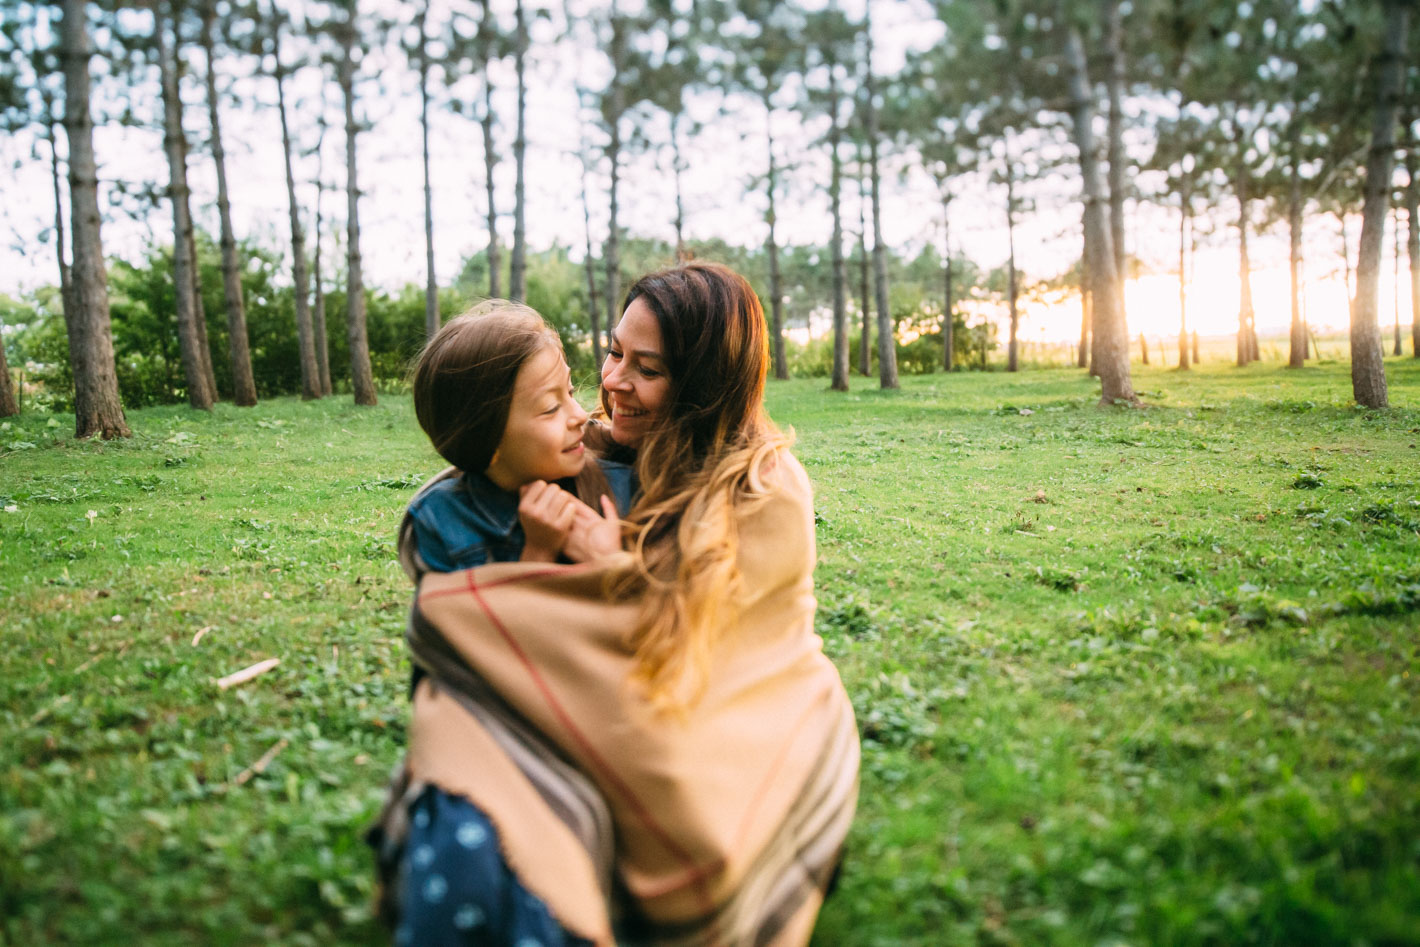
(457, 891)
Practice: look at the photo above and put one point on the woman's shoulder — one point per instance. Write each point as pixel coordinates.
(780, 472)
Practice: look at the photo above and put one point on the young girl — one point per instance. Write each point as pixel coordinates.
(493, 392)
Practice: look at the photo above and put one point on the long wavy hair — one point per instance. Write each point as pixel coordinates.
(699, 467)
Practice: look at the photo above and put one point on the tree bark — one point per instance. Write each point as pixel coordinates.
(865, 354)
(518, 278)
(1183, 280)
(776, 291)
(1368, 380)
(9, 407)
(198, 394)
(677, 169)
(839, 381)
(199, 307)
(361, 376)
(431, 285)
(613, 237)
(1144, 348)
(66, 279)
(322, 341)
(1111, 342)
(948, 323)
(490, 160)
(1114, 44)
(887, 339)
(97, 409)
(238, 347)
(1297, 338)
(1083, 358)
(593, 301)
(1395, 219)
(1412, 211)
(1013, 350)
(1244, 349)
(311, 386)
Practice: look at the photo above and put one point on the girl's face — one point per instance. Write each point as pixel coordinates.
(634, 374)
(543, 437)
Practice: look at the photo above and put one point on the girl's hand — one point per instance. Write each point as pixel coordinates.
(594, 535)
(547, 513)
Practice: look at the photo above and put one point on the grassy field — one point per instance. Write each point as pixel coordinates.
(1122, 676)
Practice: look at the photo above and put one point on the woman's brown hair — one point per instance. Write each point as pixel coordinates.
(699, 467)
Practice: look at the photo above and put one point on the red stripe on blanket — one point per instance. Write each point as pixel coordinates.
(520, 577)
(696, 874)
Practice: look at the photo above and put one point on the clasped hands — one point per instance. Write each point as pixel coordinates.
(554, 521)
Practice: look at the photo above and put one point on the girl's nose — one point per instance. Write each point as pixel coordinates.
(578, 416)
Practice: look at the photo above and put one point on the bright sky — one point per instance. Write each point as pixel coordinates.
(723, 159)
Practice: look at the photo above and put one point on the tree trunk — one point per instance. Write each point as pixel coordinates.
(677, 169)
(1111, 342)
(238, 348)
(431, 284)
(1345, 254)
(322, 341)
(613, 237)
(518, 278)
(948, 323)
(1395, 223)
(66, 280)
(490, 160)
(199, 395)
(96, 406)
(1244, 269)
(311, 385)
(776, 291)
(1368, 380)
(865, 354)
(1144, 348)
(1114, 45)
(887, 339)
(361, 376)
(1412, 211)
(1013, 349)
(1083, 358)
(593, 301)
(1195, 347)
(1297, 339)
(835, 194)
(1183, 279)
(9, 407)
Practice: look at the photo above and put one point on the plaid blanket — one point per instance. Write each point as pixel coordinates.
(721, 825)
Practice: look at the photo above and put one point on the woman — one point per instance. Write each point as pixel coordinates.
(713, 756)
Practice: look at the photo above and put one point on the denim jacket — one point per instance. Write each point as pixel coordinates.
(468, 521)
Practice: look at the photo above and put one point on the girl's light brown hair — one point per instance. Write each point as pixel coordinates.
(699, 467)
(463, 379)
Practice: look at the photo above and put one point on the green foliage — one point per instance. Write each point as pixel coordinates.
(1118, 678)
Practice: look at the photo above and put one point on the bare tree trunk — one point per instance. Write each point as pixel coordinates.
(1144, 348)
(490, 160)
(322, 341)
(361, 376)
(835, 194)
(1012, 290)
(1244, 268)
(1195, 347)
(96, 406)
(1297, 340)
(887, 339)
(948, 323)
(9, 407)
(865, 353)
(776, 291)
(593, 301)
(1083, 358)
(66, 280)
(431, 284)
(518, 278)
(199, 395)
(1345, 254)
(677, 169)
(311, 386)
(1368, 380)
(1412, 211)
(1111, 343)
(1183, 203)
(1114, 45)
(238, 348)
(1395, 223)
(613, 237)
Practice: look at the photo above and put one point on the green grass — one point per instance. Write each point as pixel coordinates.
(1122, 676)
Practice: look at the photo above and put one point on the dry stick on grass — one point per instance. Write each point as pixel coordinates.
(246, 674)
(259, 767)
(45, 712)
(200, 633)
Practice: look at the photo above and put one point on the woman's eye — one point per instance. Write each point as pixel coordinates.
(649, 373)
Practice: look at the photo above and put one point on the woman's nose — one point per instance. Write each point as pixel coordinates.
(611, 376)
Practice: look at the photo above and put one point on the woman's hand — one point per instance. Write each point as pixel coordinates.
(547, 513)
(594, 535)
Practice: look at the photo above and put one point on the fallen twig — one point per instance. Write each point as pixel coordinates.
(46, 711)
(259, 767)
(246, 674)
(200, 633)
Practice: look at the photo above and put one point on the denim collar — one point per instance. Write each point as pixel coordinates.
(494, 504)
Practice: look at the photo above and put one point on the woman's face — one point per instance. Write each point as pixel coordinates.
(634, 374)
